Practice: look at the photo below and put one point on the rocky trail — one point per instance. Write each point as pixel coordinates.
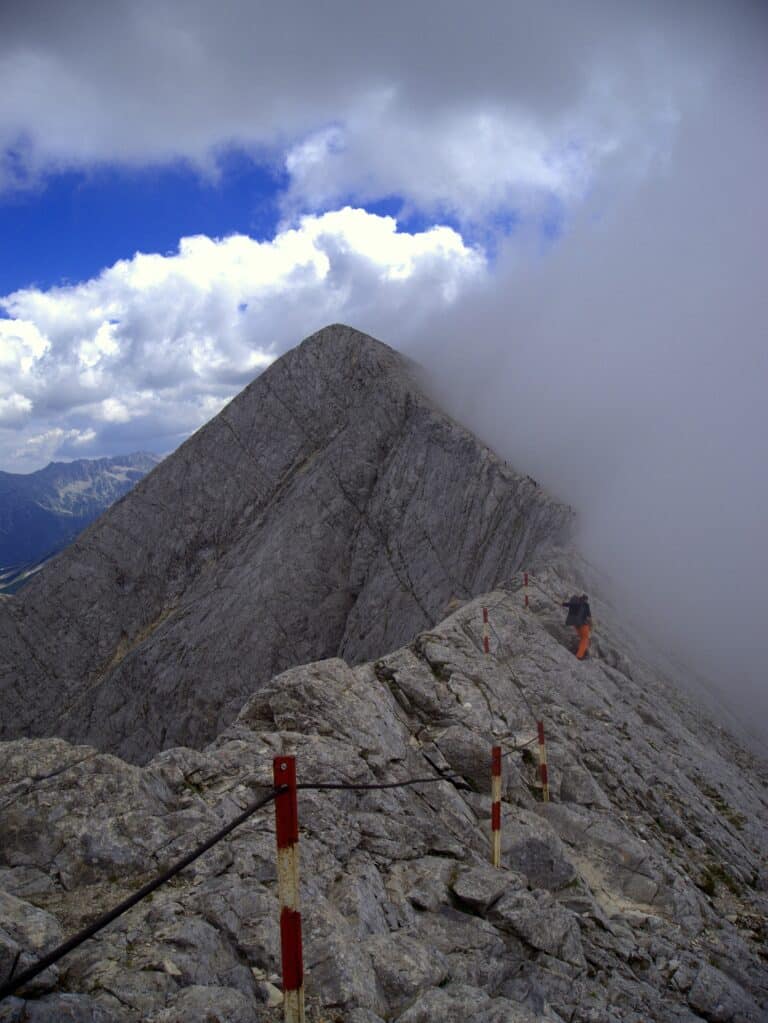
(306, 576)
(638, 893)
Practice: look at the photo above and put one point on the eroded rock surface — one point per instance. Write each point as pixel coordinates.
(636, 894)
(329, 510)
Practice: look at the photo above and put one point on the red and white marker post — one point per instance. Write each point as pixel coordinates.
(287, 831)
(543, 763)
(496, 806)
(486, 633)
(525, 587)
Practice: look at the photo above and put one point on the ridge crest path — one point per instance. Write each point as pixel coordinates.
(639, 893)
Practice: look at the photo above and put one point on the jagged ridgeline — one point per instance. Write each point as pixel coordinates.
(334, 523)
(330, 509)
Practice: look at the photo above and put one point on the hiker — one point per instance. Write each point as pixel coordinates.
(580, 617)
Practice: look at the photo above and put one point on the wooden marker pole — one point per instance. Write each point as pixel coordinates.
(287, 830)
(543, 763)
(486, 633)
(496, 806)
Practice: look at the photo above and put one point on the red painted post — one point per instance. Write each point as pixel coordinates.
(486, 633)
(287, 832)
(496, 806)
(525, 584)
(543, 774)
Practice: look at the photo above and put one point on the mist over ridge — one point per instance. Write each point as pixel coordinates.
(625, 368)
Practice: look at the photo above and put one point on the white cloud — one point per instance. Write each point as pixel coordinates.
(45, 446)
(21, 345)
(112, 410)
(471, 162)
(154, 345)
(445, 104)
(14, 408)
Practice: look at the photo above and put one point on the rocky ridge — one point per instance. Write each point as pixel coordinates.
(329, 510)
(306, 575)
(638, 893)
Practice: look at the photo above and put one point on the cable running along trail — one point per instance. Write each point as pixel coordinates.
(14, 983)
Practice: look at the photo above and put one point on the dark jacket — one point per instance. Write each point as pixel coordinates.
(579, 612)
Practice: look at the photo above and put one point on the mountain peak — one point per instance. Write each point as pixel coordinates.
(280, 585)
(329, 510)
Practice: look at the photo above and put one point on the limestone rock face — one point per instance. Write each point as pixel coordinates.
(329, 510)
(306, 575)
(643, 902)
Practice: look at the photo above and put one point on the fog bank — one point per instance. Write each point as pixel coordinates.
(626, 368)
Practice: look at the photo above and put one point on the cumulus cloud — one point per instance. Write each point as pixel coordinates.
(155, 345)
(470, 163)
(450, 107)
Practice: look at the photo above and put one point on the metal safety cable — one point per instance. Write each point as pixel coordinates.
(101, 922)
(14, 983)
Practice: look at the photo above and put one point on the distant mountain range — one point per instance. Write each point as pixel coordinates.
(41, 512)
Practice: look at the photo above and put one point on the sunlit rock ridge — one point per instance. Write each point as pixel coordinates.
(329, 510)
(334, 523)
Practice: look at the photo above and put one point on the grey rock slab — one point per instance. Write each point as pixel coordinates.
(466, 753)
(479, 887)
(298, 701)
(127, 993)
(531, 846)
(415, 687)
(200, 1004)
(338, 968)
(103, 816)
(475, 950)
(578, 786)
(626, 864)
(59, 1008)
(32, 928)
(360, 895)
(721, 1000)
(363, 1016)
(246, 913)
(25, 882)
(199, 951)
(462, 1003)
(542, 923)
(27, 933)
(422, 884)
(405, 966)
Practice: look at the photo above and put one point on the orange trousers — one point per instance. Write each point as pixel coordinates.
(584, 632)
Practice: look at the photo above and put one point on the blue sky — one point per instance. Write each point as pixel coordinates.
(71, 225)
